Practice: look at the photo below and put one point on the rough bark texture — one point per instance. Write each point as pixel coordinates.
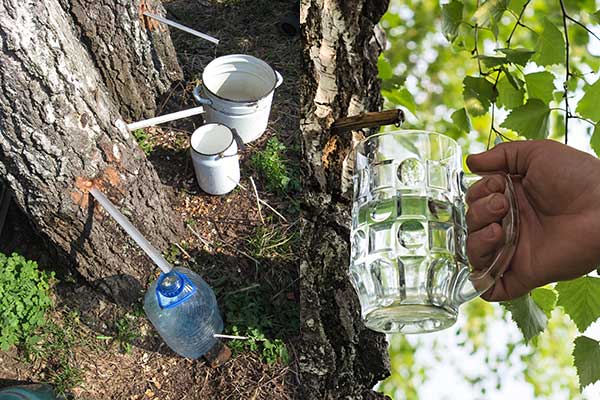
(134, 54)
(341, 358)
(57, 132)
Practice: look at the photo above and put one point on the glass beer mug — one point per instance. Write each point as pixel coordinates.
(408, 239)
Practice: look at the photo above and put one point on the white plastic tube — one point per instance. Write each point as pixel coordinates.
(150, 250)
(183, 28)
(165, 118)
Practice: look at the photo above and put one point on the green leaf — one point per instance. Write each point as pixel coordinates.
(401, 97)
(461, 120)
(596, 16)
(493, 61)
(452, 15)
(545, 298)
(530, 318)
(465, 39)
(489, 11)
(508, 96)
(519, 56)
(515, 82)
(529, 120)
(494, 28)
(558, 95)
(586, 356)
(540, 85)
(478, 94)
(588, 105)
(517, 5)
(385, 69)
(595, 142)
(551, 45)
(580, 298)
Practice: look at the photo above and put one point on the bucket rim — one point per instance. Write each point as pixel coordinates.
(218, 152)
(248, 101)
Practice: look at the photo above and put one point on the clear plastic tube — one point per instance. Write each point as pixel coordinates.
(150, 250)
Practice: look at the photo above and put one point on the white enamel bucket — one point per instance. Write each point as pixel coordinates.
(215, 158)
(237, 91)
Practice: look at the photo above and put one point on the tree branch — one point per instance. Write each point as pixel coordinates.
(582, 25)
(589, 121)
(492, 128)
(518, 23)
(568, 71)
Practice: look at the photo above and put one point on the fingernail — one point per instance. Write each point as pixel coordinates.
(497, 203)
(491, 232)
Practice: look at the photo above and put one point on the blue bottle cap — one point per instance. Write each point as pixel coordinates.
(173, 288)
(170, 284)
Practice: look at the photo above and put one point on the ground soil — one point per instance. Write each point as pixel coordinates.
(221, 242)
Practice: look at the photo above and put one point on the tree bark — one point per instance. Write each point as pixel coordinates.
(133, 53)
(341, 358)
(61, 89)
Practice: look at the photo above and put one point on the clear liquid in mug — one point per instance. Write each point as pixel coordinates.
(406, 253)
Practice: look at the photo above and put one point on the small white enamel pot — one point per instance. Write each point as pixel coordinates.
(214, 149)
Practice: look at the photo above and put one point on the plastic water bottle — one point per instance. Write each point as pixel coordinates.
(183, 309)
(28, 392)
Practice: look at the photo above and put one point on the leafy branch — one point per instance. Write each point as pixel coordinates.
(518, 23)
(568, 71)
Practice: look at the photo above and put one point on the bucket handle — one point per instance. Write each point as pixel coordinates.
(279, 79)
(200, 99)
(240, 145)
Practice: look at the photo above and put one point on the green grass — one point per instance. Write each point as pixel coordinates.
(273, 241)
(127, 331)
(270, 350)
(262, 317)
(56, 349)
(271, 164)
(144, 141)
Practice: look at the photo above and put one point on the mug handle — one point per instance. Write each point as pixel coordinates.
(474, 282)
(200, 99)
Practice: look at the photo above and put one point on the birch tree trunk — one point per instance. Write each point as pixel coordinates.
(69, 69)
(341, 359)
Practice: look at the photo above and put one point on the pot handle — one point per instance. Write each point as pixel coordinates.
(279, 79)
(240, 144)
(200, 99)
(238, 139)
(474, 282)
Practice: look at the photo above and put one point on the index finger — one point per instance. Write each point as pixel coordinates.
(484, 187)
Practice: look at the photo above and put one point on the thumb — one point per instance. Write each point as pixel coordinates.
(512, 158)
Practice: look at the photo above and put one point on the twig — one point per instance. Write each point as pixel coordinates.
(225, 244)
(257, 201)
(518, 23)
(245, 289)
(589, 121)
(476, 50)
(568, 71)
(263, 202)
(204, 241)
(284, 289)
(492, 128)
(183, 251)
(582, 25)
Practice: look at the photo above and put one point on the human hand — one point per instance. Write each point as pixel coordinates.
(558, 194)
